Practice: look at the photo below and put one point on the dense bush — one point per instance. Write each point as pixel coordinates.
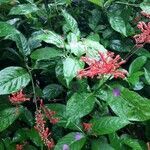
(74, 74)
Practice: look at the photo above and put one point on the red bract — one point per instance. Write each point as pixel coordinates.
(18, 97)
(108, 64)
(42, 130)
(19, 147)
(144, 37)
(87, 126)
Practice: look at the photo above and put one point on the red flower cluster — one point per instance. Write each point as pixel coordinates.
(87, 126)
(19, 147)
(144, 37)
(49, 114)
(107, 65)
(42, 130)
(145, 14)
(18, 97)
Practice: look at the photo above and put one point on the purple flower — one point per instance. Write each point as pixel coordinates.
(78, 136)
(116, 92)
(65, 147)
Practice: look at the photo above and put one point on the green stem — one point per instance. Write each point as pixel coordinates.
(129, 4)
(33, 87)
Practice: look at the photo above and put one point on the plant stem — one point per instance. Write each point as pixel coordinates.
(33, 87)
(129, 4)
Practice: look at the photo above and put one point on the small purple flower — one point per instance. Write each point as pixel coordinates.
(78, 136)
(65, 147)
(116, 92)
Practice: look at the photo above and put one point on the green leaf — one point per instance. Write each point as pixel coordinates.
(45, 53)
(115, 141)
(71, 23)
(27, 117)
(52, 38)
(33, 135)
(4, 1)
(71, 141)
(145, 6)
(70, 68)
(23, 9)
(137, 64)
(9, 32)
(118, 20)
(97, 2)
(52, 91)
(13, 79)
(129, 105)
(133, 143)
(7, 29)
(101, 145)
(21, 43)
(107, 125)
(63, 118)
(76, 47)
(8, 116)
(79, 105)
(147, 75)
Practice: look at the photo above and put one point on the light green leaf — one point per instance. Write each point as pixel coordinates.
(70, 68)
(71, 23)
(52, 38)
(5, 1)
(45, 53)
(137, 64)
(21, 43)
(23, 9)
(147, 75)
(76, 47)
(97, 2)
(79, 105)
(13, 79)
(8, 116)
(145, 6)
(7, 29)
(107, 125)
(71, 141)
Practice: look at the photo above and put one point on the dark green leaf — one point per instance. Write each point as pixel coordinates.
(106, 125)
(52, 91)
(79, 105)
(8, 116)
(129, 105)
(13, 79)
(71, 141)
(45, 53)
(133, 143)
(137, 64)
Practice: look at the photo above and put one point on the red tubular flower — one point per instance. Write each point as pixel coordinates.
(18, 97)
(42, 130)
(87, 126)
(19, 147)
(107, 65)
(145, 14)
(144, 37)
(49, 114)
